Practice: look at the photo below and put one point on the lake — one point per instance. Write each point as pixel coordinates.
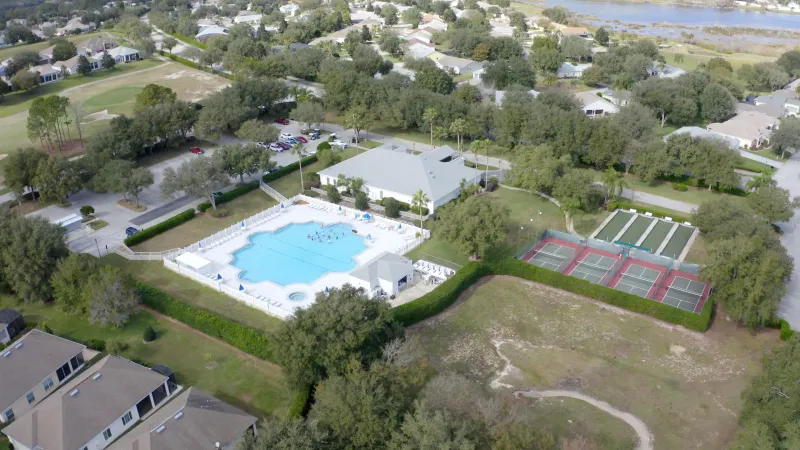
(649, 13)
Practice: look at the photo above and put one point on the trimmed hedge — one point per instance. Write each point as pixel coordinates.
(244, 338)
(161, 227)
(230, 195)
(286, 170)
(443, 296)
(189, 40)
(301, 403)
(656, 212)
(324, 145)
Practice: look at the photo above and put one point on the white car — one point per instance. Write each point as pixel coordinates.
(262, 144)
(338, 143)
(276, 147)
(286, 135)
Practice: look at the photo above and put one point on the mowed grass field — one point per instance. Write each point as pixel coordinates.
(684, 385)
(189, 291)
(117, 94)
(252, 384)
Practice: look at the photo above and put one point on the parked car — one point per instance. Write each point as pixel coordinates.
(196, 150)
(284, 145)
(275, 146)
(338, 143)
(293, 141)
(282, 121)
(217, 194)
(286, 135)
(314, 136)
(302, 139)
(130, 231)
(263, 144)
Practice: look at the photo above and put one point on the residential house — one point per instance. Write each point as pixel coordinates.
(664, 71)
(570, 70)
(394, 171)
(769, 109)
(454, 64)
(45, 56)
(248, 17)
(697, 132)
(11, 324)
(120, 55)
(96, 44)
(421, 35)
(210, 31)
(386, 274)
(752, 129)
(192, 420)
(35, 366)
(418, 49)
(47, 73)
(783, 98)
(575, 31)
(433, 21)
(618, 97)
(290, 9)
(93, 409)
(71, 65)
(594, 106)
(73, 25)
(499, 96)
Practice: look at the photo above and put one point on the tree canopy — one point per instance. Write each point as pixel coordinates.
(475, 225)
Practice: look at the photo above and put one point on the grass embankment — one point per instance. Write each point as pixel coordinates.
(252, 384)
(194, 293)
(681, 383)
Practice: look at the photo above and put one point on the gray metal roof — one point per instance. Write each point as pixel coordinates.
(698, 132)
(8, 315)
(386, 266)
(39, 356)
(204, 421)
(394, 168)
(769, 109)
(67, 422)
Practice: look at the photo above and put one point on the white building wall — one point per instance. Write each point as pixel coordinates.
(21, 406)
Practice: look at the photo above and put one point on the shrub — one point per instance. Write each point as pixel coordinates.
(117, 347)
(679, 187)
(492, 184)
(333, 193)
(311, 180)
(244, 338)
(391, 207)
(87, 211)
(786, 330)
(656, 212)
(300, 404)
(285, 170)
(46, 328)
(149, 334)
(161, 227)
(219, 213)
(324, 145)
(362, 202)
(96, 344)
(228, 196)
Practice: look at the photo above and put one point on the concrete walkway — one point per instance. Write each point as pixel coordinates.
(657, 200)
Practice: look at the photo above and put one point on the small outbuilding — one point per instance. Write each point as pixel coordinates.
(386, 274)
(11, 325)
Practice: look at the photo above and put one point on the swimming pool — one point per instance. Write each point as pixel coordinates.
(298, 253)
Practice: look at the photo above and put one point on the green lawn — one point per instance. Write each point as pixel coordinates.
(680, 384)
(254, 385)
(664, 189)
(584, 223)
(204, 225)
(97, 224)
(753, 166)
(21, 101)
(118, 101)
(369, 145)
(768, 153)
(4, 444)
(189, 291)
(9, 52)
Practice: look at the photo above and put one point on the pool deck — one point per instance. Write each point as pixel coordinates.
(221, 255)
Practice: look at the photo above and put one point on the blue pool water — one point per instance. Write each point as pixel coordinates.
(288, 256)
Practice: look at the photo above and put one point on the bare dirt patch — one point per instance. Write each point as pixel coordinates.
(685, 385)
(131, 205)
(100, 115)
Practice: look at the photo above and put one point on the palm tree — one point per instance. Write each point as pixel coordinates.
(299, 150)
(458, 127)
(614, 182)
(297, 91)
(419, 201)
(763, 180)
(430, 116)
(550, 78)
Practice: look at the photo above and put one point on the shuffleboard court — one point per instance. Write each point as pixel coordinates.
(614, 226)
(657, 235)
(636, 230)
(678, 241)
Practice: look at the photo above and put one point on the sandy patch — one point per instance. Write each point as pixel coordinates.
(99, 115)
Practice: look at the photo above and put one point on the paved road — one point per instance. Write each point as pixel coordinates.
(788, 177)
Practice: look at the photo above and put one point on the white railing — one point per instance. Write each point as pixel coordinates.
(228, 290)
(272, 192)
(129, 254)
(237, 228)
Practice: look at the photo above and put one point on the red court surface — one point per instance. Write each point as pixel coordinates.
(657, 292)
